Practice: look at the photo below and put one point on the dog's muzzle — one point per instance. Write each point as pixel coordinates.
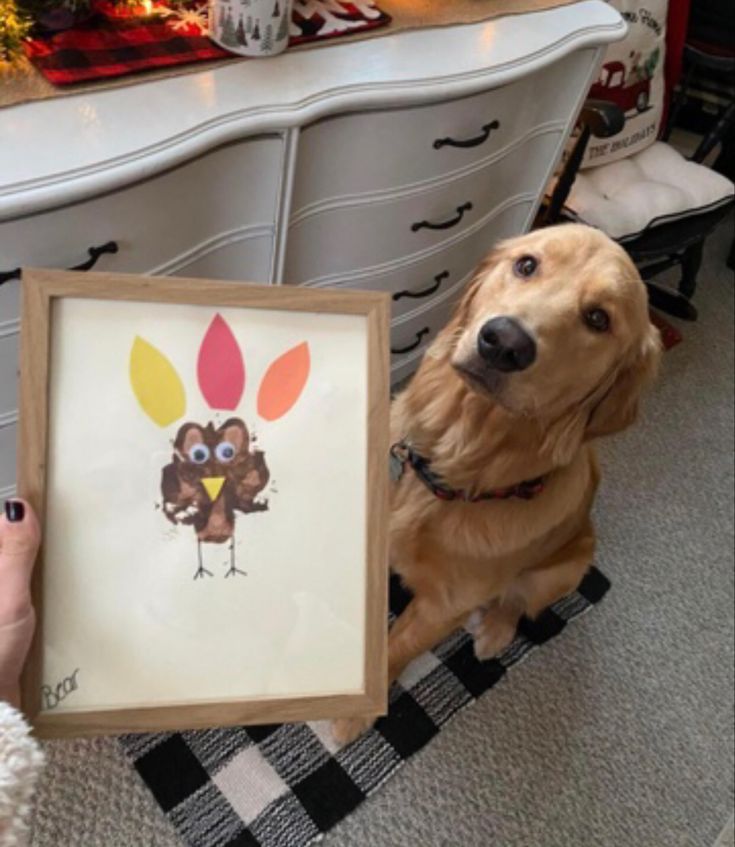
(504, 345)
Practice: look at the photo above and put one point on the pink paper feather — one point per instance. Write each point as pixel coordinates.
(220, 368)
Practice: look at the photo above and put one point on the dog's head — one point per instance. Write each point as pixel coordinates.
(555, 325)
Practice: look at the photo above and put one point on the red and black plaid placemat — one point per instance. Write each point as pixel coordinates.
(115, 41)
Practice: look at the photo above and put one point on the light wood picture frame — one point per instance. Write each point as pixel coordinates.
(175, 433)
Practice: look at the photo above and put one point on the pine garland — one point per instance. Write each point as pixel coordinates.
(14, 27)
(19, 17)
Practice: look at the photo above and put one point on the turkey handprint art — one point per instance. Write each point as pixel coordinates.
(215, 470)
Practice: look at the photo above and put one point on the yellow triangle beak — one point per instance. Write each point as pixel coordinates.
(213, 486)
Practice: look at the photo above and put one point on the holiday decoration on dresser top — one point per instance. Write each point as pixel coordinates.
(250, 27)
(111, 39)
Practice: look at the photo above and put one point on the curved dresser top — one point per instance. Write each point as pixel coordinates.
(68, 148)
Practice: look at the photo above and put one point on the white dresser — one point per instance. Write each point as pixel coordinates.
(392, 163)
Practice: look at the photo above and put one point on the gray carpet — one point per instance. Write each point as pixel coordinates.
(617, 734)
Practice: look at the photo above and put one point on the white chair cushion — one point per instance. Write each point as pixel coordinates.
(647, 189)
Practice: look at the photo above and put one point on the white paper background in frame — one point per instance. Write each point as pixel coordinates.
(632, 76)
(124, 615)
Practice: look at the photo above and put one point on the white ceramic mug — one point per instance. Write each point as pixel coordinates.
(250, 27)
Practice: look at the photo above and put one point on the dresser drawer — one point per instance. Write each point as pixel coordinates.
(410, 338)
(248, 260)
(9, 303)
(361, 235)
(8, 373)
(422, 282)
(7, 456)
(156, 222)
(418, 330)
(373, 151)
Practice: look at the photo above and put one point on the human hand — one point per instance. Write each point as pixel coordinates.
(20, 537)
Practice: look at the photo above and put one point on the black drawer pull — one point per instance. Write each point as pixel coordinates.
(397, 351)
(6, 276)
(470, 142)
(94, 254)
(465, 207)
(432, 289)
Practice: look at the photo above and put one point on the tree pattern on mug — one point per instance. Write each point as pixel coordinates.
(238, 23)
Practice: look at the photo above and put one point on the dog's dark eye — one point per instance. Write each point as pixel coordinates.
(597, 319)
(525, 266)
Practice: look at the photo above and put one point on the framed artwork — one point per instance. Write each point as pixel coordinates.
(209, 460)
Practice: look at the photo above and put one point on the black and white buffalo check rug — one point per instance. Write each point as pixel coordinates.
(286, 785)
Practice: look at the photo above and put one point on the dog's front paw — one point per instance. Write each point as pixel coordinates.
(346, 730)
(492, 637)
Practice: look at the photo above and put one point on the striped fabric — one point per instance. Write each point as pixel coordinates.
(285, 785)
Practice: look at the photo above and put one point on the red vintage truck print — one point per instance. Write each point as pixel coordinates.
(612, 86)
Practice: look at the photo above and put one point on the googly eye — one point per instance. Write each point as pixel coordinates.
(225, 451)
(597, 320)
(525, 266)
(199, 453)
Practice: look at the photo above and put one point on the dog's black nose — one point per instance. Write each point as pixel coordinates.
(505, 345)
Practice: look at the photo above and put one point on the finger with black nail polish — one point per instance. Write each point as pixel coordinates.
(14, 511)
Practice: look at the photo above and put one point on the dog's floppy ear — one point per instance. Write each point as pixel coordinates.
(461, 312)
(447, 338)
(618, 408)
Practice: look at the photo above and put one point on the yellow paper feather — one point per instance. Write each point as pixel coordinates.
(156, 384)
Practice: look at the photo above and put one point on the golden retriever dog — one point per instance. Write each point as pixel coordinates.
(495, 478)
